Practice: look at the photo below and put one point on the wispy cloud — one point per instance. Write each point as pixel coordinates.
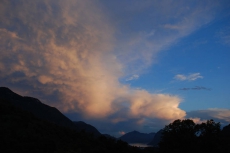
(134, 77)
(190, 77)
(174, 27)
(141, 45)
(224, 35)
(219, 115)
(196, 88)
(7, 33)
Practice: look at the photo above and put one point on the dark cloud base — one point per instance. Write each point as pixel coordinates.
(196, 88)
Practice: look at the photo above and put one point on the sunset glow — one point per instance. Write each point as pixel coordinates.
(120, 65)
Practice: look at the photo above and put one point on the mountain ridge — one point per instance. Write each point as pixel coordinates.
(43, 111)
(156, 139)
(22, 131)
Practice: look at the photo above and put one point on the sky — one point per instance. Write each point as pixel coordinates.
(120, 65)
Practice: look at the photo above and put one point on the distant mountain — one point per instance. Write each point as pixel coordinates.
(44, 111)
(137, 137)
(87, 128)
(156, 139)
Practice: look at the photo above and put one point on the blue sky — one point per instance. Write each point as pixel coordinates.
(120, 65)
(204, 53)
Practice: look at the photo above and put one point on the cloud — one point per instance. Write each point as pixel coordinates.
(121, 132)
(198, 120)
(170, 26)
(158, 105)
(196, 88)
(218, 114)
(6, 33)
(180, 77)
(133, 77)
(65, 51)
(190, 77)
(70, 54)
(224, 35)
(222, 114)
(139, 47)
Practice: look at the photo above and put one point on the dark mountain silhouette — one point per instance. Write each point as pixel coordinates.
(36, 107)
(87, 128)
(156, 139)
(21, 131)
(137, 137)
(44, 111)
(109, 136)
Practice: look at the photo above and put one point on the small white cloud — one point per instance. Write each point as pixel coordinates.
(134, 77)
(190, 77)
(194, 76)
(180, 77)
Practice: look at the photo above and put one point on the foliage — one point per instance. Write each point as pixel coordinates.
(186, 136)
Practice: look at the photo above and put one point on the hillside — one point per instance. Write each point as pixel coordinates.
(156, 139)
(87, 128)
(44, 112)
(36, 107)
(22, 130)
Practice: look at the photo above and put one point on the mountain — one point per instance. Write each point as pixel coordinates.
(87, 128)
(137, 137)
(36, 107)
(44, 111)
(109, 136)
(156, 139)
(21, 131)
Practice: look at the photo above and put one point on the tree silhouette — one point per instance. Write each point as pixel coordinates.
(209, 136)
(186, 136)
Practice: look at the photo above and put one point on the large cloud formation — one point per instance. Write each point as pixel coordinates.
(64, 48)
(63, 52)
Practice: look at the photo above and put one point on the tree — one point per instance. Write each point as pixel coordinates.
(178, 136)
(186, 136)
(209, 136)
